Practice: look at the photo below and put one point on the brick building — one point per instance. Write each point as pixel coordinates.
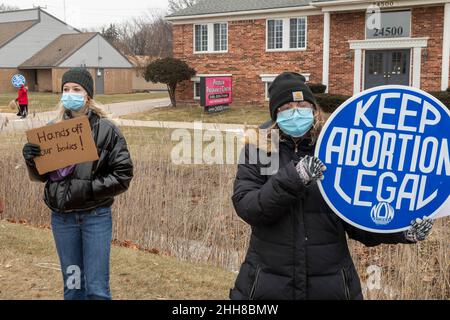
(348, 45)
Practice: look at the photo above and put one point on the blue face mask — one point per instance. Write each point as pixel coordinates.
(73, 102)
(296, 122)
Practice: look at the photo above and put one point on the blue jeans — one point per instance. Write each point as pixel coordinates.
(83, 242)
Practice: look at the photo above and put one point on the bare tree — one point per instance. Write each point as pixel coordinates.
(177, 5)
(4, 7)
(147, 35)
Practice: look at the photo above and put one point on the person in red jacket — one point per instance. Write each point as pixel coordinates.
(22, 100)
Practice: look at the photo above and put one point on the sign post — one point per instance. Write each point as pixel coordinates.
(387, 157)
(216, 93)
(63, 144)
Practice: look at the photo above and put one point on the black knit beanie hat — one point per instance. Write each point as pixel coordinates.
(288, 87)
(80, 76)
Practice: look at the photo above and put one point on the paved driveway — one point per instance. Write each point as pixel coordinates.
(10, 122)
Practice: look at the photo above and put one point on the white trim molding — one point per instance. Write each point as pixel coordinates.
(271, 77)
(349, 5)
(197, 77)
(357, 71)
(244, 15)
(326, 49)
(385, 44)
(446, 49)
(389, 43)
(267, 78)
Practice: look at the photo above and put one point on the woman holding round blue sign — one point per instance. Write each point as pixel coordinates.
(80, 196)
(298, 248)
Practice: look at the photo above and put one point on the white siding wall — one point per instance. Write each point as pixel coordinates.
(30, 42)
(15, 16)
(89, 53)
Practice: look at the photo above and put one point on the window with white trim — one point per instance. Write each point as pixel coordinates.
(196, 90)
(275, 34)
(267, 85)
(220, 37)
(201, 37)
(267, 79)
(286, 34)
(297, 33)
(211, 37)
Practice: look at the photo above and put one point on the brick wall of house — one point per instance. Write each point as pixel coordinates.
(429, 22)
(247, 58)
(344, 27)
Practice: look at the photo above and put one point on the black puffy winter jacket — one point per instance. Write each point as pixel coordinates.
(298, 248)
(92, 184)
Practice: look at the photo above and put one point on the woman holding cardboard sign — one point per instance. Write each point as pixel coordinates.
(298, 247)
(81, 196)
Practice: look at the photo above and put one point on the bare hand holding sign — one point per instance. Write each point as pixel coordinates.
(63, 144)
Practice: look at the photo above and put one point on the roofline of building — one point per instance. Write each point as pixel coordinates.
(39, 10)
(19, 10)
(71, 53)
(60, 61)
(324, 6)
(239, 13)
(348, 5)
(338, 3)
(118, 51)
(54, 17)
(57, 67)
(23, 65)
(38, 20)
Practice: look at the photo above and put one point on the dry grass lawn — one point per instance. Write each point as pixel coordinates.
(251, 115)
(28, 270)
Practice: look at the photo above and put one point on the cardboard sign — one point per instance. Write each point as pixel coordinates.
(216, 91)
(18, 80)
(63, 144)
(387, 157)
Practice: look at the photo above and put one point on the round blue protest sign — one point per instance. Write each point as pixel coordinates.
(387, 156)
(18, 80)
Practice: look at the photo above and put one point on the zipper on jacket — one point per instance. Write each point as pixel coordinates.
(346, 288)
(255, 283)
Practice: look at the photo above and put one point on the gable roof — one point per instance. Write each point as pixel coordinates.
(204, 7)
(10, 30)
(58, 50)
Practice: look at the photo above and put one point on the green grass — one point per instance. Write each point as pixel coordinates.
(26, 252)
(251, 115)
(40, 102)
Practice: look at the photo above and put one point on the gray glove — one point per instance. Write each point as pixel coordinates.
(310, 169)
(420, 229)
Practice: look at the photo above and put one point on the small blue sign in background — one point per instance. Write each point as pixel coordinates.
(18, 80)
(386, 167)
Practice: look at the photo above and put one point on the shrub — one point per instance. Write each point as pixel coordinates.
(443, 96)
(317, 88)
(330, 102)
(170, 71)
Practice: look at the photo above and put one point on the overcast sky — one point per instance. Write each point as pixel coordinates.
(90, 13)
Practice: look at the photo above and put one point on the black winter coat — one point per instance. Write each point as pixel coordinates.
(298, 248)
(92, 184)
